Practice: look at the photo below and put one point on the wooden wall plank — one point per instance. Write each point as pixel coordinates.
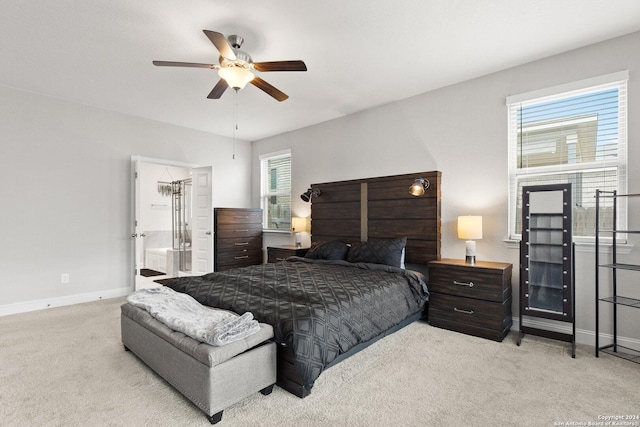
(381, 208)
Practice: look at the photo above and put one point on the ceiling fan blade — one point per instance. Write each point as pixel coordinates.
(221, 43)
(218, 89)
(182, 64)
(262, 85)
(280, 66)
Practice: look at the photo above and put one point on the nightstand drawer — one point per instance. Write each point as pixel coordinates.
(476, 317)
(280, 253)
(479, 284)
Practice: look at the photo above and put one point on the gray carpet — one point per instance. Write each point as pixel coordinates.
(66, 367)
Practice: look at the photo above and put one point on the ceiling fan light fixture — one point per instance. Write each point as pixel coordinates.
(236, 77)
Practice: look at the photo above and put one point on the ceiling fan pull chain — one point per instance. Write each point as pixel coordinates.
(235, 122)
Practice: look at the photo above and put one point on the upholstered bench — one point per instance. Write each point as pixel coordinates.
(213, 378)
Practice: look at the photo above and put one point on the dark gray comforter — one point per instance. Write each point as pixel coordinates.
(319, 308)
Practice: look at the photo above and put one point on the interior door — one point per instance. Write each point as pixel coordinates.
(202, 221)
(136, 232)
(138, 225)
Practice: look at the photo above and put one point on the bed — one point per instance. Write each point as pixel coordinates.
(363, 278)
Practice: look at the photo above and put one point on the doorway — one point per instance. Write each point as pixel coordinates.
(163, 236)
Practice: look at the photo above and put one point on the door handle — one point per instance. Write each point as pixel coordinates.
(208, 233)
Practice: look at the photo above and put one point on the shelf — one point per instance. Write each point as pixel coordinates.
(546, 228)
(629, 302)
(545, 262)
(630, 353)
(621, 231)
(622, 266)
(546, 244)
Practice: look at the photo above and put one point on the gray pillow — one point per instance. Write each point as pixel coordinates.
(327, 250)
(388, 252)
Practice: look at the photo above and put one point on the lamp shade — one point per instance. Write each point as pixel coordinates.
(236, 77)
(299, 225)
(470, 227)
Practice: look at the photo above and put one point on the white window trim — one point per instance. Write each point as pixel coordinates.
(262, 157)
(540, 94)
(568, 90)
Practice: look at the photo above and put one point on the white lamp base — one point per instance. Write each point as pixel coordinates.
(470, 252)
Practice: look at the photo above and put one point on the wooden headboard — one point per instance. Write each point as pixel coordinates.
(380, 208)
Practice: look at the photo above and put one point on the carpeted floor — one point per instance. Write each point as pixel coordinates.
(67, 367)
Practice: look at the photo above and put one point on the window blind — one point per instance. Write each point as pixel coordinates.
(576, 137)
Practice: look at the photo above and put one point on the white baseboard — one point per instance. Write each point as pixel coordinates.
(583, 336)
(24, 307)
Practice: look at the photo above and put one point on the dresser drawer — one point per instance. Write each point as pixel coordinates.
(239, 243)
(238, 216)
(240, 258)
(226, 231)
(471, 316)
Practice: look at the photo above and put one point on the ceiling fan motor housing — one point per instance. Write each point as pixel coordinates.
(235, 41)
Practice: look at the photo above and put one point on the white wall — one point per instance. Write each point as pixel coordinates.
(66, 196)
(461, 130)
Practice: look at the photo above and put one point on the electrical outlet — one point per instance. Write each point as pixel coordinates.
(64, 278)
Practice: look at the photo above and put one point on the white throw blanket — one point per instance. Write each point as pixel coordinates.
(183, 313)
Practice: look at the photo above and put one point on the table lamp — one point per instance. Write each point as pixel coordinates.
(299, 225)
(470, 229)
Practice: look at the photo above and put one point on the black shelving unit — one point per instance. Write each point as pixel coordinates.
(613, 298)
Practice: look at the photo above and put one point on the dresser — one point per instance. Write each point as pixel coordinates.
(280, 253)
(472, 299)
(237, 238)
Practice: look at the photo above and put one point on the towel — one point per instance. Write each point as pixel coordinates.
(183, 313)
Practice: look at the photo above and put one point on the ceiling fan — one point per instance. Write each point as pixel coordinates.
(236, 67)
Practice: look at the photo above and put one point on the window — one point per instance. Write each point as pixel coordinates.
(275, 190)
(576, 134)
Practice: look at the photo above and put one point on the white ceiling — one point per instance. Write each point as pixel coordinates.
(360, 53)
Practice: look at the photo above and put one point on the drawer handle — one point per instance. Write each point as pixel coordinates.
(241, 244)
(240, 231)
(241, 257)
(241, 217)
(456, 309)
(470, 284)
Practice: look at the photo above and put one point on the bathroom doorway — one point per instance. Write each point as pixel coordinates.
(164, 237)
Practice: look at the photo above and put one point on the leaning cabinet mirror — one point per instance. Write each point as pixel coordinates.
(546, 259)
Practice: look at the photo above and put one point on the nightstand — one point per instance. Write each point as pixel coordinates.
(472, 299)
(279, 253)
